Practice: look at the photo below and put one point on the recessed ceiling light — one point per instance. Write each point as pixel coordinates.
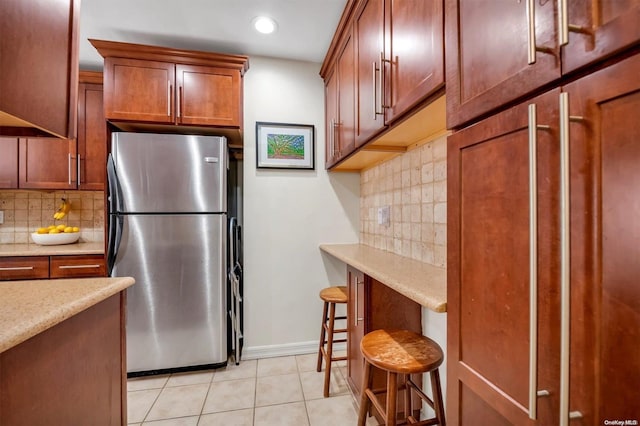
(265, 25)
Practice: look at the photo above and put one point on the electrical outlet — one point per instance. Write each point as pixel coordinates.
(1, 217)
(384, 214)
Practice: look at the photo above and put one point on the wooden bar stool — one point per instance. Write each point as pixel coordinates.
(400, 352)
(331, 296)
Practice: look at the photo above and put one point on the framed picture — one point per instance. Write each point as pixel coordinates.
(285, 146)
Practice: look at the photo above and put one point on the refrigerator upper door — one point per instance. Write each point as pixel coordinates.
(165, 173)
(176, 311)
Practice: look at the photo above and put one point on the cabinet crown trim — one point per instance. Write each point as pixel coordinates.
(168, 54)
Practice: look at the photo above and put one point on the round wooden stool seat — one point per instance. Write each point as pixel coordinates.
(336, 294)
(401, 351)
(331, 296)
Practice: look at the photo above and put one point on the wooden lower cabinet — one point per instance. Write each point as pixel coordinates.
(43, 267)
(24, 268)
(73, 373)
(372, 306)
(78, 266)
(505, 348)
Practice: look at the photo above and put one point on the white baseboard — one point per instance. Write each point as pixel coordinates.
(287, 349)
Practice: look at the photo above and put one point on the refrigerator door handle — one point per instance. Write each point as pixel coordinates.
(115, 220)
(115, 191)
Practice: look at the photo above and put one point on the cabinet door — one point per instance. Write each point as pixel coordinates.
(346, 99)
(47, 163)
(489, 277)
(487, 60)
(139, 90)
(24, 268)
(607, 27)
(369, 31)
(208, 96)
(604, 233)
(331, 118)
(355, 329)
(8, 163)
(415, 49)
(92, 138)
(39, 63)
(78, 266)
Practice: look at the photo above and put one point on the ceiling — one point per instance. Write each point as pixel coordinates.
(305, 27)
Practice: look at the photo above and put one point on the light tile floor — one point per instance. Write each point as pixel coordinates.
(266, 392)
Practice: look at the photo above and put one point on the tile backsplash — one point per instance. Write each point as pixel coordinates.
(414, 186)
(26, 211)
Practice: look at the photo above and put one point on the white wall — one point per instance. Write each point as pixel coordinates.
(287, 214)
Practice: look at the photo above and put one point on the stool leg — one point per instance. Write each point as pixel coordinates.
(364, 399)
(408, 411)
(438, 406)
(392, 395)
(322, 328)
(327, 370)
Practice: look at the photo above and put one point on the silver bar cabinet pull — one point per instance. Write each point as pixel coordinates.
(17, 268)
(78, 168)
(69, 167)
(78, 266)
(168, 98)
(531, 33)
(375, 90)
(533, 261)
(565, 273)
(179, 106)
(563, 24)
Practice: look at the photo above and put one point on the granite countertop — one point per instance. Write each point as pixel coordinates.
(7, 250)
(28, 308)
(421, 282)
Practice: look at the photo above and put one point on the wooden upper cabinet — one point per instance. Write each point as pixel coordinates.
(8, 163)
(487, 56)
(414, 53)
(340, 104)
(488, 60)
(400, 60)
(208, 96)
(139, 90)
(346, 99)
(152, 87)
(369, 30)
(331, 117)
(47, 163)
(389, 59)
(39, 65)
(92, 138)
(604, 27)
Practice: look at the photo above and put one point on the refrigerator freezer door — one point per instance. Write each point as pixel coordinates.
(176, 311)
(163, 173)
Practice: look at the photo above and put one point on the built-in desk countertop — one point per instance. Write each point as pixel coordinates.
(421, 282)
(28, 308)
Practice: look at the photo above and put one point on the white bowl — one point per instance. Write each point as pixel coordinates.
(55, 239)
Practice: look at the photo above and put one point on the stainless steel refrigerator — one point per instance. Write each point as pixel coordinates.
(168, 229)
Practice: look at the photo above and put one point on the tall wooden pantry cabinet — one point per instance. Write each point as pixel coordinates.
(544, 227)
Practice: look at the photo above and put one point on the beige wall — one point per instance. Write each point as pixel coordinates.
(414, 185)
(26, 211)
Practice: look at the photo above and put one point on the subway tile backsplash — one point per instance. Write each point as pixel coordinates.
(26, 211)
(414, 185)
